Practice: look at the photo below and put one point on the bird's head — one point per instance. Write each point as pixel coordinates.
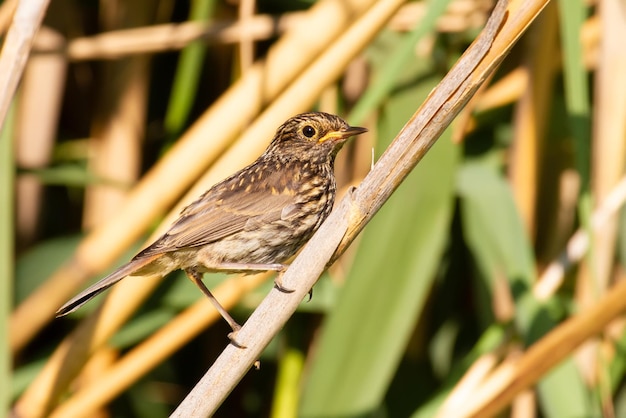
(314, 133)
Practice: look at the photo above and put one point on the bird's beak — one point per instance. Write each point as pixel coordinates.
(343, 134)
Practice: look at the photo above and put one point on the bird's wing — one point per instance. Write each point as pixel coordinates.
(218, 215)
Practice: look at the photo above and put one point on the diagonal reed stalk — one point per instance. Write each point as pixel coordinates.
(505, 26)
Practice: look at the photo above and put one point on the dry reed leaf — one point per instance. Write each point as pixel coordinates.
(550, 280)
(609, 137)
(40, 100)
(511, 379)
(115, 143)
(531, 112)
(174, 36)
(524, 405)
(16, 48)
(246, 42)
(7, 8)
(608, 159)
(468, 384)
(577, 246)
(510, 86)
(505, 91)
(461, 15)
(117, 128)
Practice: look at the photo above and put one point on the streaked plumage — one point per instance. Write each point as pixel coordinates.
(255, 219)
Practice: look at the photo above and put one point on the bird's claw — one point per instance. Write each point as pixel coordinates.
(278, 283)
(279, 286)
(232, 336)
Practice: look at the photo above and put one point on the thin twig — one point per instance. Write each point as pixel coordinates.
(351, 215)
(172, 36)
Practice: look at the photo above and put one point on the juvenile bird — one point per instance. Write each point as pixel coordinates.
(252, 221)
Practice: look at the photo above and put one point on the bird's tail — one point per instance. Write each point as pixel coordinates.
(103, 284)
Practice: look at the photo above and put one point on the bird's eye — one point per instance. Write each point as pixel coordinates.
(308, 131)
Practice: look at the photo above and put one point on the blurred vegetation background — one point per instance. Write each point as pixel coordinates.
(127, 110)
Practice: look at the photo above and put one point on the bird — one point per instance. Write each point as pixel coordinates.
(253, 221)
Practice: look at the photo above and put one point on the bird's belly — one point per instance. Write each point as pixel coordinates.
(267, 244)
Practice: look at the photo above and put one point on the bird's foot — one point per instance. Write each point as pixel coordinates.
(196, 277)
(278, 284)
(281, 288)
(232, 336)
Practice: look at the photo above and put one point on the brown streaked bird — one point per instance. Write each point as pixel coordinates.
(254, 220)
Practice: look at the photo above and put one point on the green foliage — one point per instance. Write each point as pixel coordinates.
(188, 72)
(395, 332)
(37, 264)
(7, 249)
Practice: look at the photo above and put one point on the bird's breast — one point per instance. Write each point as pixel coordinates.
(276, 241)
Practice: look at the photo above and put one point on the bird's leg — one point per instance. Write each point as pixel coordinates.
(241, 267)
(277, 267)
(196, 278)
(247, 267)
